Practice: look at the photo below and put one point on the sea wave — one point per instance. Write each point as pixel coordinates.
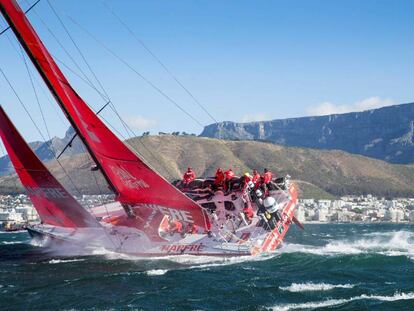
(335, 302)
(156, 272)
(399, 243)
(11, 242)
(56, 261)
(309, 286)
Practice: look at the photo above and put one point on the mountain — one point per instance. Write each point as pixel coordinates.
(385, 133)
(319, 173)
(44, 150)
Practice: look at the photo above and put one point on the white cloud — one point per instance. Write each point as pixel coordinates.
(140, 123)
(254, 117)
(327, 108)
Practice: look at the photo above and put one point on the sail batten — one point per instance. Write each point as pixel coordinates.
(134, 182)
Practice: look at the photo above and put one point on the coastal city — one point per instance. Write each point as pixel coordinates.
(16, 211)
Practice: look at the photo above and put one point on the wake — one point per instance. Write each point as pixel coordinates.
(395, 243)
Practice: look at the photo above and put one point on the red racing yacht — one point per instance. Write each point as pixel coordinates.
(151, 217)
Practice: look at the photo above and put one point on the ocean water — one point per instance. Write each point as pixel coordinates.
(325, 267)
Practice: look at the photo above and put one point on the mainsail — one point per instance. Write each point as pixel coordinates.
(53, 203)
(134, 182)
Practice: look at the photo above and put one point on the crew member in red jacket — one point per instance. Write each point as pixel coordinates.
(175, 226)
(189, 176)
(248, 213)
(266, 178)
(256, 178)
(219, 178)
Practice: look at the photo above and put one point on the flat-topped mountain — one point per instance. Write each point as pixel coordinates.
(385, 133)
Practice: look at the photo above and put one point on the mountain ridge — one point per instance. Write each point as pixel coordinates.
(385, 133)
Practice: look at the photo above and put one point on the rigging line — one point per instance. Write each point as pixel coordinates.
(136, 72)
(27, 11)
(160, 163)
(37, 100)
(41, 86)
(37, 82)
(90, 83)
(158, 60)
(78, 49)
(87, 82)
(49, 142)
(90, 160)
(22, 104)
(69, 144)
(38, 129)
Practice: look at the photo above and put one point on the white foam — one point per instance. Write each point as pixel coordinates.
(309, 286)
(396, 243)
(335, 302)
(11, 242)
(56, 261)
(186, 261)
(156, 272)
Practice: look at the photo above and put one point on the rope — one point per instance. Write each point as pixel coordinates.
(136, 72)
(78, 49)
(27, 11)
(157, 59)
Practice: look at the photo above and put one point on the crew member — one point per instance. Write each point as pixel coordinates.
(229, 175)
(191, 228)
(266, 178)
(248, 212)
(189, 176)
(256, 178)
(244, 181)
(175, 226)
(219, 178)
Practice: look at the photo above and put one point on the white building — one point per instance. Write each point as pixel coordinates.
(300, 213)
(322, 214)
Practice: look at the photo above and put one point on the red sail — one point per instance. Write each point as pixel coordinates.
(53, 203)
(135, 183)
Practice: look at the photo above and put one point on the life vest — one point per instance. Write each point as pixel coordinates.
(229, 174)
(176, 226)
(189, 176)
(248, 211)
(219, 178)
(256, 178)
(267, 177)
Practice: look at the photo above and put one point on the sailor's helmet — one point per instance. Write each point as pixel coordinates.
(270, 205)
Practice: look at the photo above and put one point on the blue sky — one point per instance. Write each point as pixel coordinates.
(243, 60)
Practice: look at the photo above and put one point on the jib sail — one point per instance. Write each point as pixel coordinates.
(53, 203)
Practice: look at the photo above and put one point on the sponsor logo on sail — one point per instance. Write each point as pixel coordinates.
(173, 213)
(127, 179)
